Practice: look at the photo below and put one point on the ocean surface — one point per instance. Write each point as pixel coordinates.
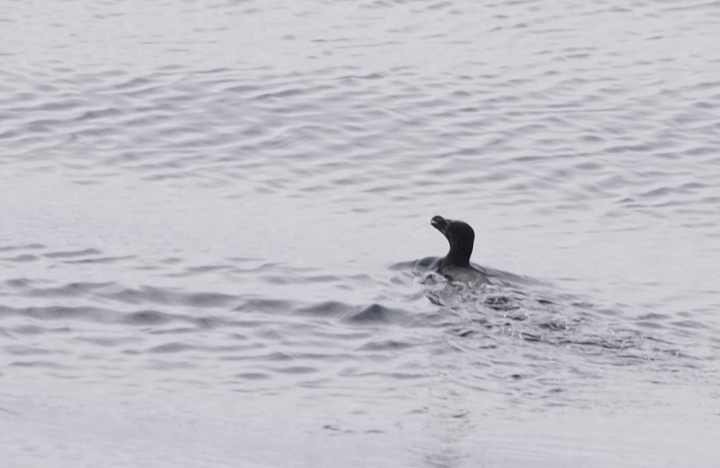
(216, 226)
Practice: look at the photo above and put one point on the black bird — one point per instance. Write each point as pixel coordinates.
(455, 266)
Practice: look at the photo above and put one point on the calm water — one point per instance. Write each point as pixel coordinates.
(213, 212)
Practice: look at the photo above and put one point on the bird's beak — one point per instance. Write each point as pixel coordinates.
(439, 223)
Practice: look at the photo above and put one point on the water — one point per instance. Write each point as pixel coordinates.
(213, 213)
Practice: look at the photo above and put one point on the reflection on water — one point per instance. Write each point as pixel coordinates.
(216, 243)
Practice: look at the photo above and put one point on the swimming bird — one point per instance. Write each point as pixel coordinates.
(456, 266)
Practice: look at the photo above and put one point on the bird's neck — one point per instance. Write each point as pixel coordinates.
(458, 257)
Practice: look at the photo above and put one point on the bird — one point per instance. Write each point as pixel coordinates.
(455, 266)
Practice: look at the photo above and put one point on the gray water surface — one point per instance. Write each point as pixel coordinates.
(213, 214)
